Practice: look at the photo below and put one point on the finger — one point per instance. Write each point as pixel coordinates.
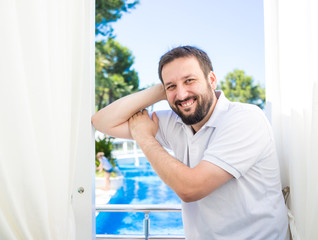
(130, 120)
(135, 115)
(144, 111)
(155, 118)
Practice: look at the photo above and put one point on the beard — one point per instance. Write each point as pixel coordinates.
(204, 103)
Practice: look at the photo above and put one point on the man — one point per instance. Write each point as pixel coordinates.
(225, 168)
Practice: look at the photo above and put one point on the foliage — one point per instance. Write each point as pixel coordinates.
(240, 88)
(108, 11)
(115, 76)
(105, 145)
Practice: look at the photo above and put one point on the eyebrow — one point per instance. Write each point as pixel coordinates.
(184, 77)
(168, 83)
(188, 76)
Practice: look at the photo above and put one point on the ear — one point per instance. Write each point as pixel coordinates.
(212, 80)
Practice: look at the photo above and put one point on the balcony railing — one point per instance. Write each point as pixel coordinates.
(146, 209)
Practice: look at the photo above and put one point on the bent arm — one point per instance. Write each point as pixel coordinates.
(100, 166)
(113, 119)
(190, 184)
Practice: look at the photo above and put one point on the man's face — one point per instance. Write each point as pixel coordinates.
(189, 93)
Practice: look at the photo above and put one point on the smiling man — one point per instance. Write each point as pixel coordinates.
(224, 168)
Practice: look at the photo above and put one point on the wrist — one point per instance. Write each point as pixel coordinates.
(145, 141)
(159, 88)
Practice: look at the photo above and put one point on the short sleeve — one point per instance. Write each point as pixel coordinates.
(165, 122)
(239, 141)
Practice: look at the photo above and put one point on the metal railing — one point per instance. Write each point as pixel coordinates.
(146, 209)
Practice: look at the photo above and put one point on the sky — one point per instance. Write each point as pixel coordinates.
(231, 32)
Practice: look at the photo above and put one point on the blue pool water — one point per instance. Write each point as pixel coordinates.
(141, 186)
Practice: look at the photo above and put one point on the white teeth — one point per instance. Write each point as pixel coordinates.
(187, 104)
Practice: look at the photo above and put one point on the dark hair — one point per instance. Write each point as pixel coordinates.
(186, 51)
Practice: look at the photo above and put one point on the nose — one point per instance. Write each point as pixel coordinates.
(182, 93)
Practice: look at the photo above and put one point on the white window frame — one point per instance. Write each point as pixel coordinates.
(83, 192)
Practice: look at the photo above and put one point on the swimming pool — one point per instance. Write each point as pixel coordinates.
(141, 186)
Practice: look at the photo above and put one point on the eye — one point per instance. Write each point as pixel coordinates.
(170, 87)
(189, 80)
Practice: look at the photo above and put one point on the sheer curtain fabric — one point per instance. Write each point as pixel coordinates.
(291, 50)
(45, 72)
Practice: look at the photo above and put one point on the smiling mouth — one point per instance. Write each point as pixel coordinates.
(186, 103)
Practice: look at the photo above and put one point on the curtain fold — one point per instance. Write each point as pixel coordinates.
(45, 49)
(291, 52)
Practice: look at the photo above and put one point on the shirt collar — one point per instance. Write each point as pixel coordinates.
(222, 105)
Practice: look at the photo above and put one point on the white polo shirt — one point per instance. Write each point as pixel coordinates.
(239, 139)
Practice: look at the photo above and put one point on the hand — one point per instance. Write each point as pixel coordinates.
(141, 126)
(161, 90)
(99, 169)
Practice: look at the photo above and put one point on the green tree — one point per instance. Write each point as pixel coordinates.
(114, 76)
(105, 145)
(108, 11)
(239, 87)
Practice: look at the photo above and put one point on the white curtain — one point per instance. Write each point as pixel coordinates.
(45, 54)
(291, 50)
